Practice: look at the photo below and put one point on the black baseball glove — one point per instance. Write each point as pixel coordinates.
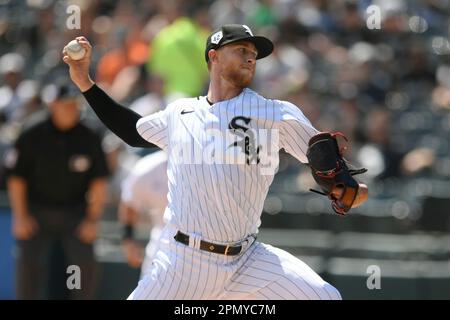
(330, 171)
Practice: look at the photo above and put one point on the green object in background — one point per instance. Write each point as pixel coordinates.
(177, 55)
(263, 16)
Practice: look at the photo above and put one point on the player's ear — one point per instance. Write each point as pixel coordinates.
(212, 55)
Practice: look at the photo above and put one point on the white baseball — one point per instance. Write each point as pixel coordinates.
(74, 50)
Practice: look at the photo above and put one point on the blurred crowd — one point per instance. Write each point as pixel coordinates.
(387, 89)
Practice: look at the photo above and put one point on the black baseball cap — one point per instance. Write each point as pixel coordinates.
(60, 90)
(230, 33)
(67, 90)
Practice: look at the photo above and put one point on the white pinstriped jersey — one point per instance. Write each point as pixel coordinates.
(217, 188)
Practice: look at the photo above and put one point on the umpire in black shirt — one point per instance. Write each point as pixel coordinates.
(57, 187)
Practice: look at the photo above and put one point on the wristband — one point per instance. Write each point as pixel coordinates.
(128, 232)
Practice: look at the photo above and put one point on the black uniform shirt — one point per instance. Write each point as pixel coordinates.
(58, 166)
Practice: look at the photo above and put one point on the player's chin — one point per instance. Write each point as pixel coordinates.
(246, 77)
(250, 72)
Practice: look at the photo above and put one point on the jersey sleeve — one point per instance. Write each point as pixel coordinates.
(295, 131)
(154, 128)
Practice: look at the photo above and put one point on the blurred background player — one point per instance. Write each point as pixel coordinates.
(57, 187)
(144, 192)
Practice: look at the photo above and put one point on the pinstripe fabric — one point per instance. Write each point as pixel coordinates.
(154, 128)
(261, 272)
(218, 199)
(221, 202)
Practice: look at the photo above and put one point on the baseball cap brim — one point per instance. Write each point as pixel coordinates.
(263, 45)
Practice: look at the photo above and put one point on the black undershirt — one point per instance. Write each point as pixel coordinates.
(117, 118)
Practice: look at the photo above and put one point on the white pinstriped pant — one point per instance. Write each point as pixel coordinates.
(261, 272)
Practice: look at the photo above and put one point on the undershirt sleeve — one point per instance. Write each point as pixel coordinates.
(117, 118)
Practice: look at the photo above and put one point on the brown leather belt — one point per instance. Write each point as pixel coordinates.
(208, 246)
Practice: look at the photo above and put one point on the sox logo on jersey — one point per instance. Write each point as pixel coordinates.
(248, 141)
(239, 144)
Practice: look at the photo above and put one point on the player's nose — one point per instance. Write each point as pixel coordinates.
(251, 60)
